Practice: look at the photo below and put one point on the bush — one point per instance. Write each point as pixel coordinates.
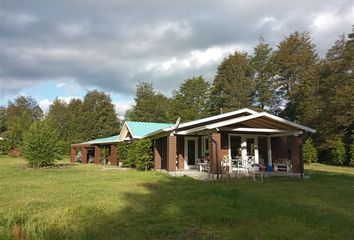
(123, 148)
(140, 155)
(5, 146)
(309, 151)
(41, 145)
(338, 152)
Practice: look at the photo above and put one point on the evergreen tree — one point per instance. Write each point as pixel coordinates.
(59, 114)
(336, 92)
(75, 121)
(233, 87)
(98, 117)
(309, 151)
(338, 152)
(42, 145)
(190, 102)
(263, 76)
(150, 106)
(296, 62)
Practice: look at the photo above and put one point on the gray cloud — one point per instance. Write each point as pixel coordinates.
(114, 44)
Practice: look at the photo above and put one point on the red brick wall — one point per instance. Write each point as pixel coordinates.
(224, 145)
(171, 153)
(279, 148)
(113, 157)
(296, 154)
(97, 158)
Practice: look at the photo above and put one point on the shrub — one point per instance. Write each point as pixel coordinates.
(5, 146)
(41, 145)
(309, 151)
(144, 156)
(338, 152)
(123, 148)
(139, 155)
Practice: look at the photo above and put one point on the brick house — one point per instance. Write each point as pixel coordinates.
(243, 134)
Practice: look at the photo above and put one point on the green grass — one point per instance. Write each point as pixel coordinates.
(86, 202)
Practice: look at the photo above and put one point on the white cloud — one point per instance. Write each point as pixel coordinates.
(44, 104)
(74, 30)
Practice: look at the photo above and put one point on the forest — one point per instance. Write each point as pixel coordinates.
(291, 81)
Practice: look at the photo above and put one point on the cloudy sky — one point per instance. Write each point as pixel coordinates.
(61, 48)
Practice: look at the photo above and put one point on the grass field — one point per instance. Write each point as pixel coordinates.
(86, 202)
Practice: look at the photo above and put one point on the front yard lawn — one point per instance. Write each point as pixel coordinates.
(86, 202)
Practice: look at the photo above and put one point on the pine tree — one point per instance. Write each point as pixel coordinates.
(191, 100)
(296, 62)
(233, 87)
(150, 106)
(263, 76)
(98, 116)
(309, 151)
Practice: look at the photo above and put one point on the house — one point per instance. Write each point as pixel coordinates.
(243, 134)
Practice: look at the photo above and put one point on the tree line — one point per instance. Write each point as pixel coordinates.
(75, 122)
(290, 81)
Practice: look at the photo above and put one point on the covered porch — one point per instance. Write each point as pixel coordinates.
(98, 151)
(257, 142)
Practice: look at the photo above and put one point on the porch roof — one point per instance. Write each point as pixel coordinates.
(245, 120)
(112, 139)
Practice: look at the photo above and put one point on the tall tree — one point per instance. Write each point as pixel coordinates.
(98, 116)
(336, 92)
(150, 106)
(21, 113)
(233, 87)
(2, 120)
(75, 116)
(263, 75)
(191, 100)
(59, 116)
(296, 62)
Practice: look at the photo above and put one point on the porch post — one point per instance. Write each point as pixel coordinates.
(296, 154)
(97, 157)
(269, 147)
(157, 155)
(84, 155)
(215, 153)
(72, 154)
(113, 156)
(171, 153)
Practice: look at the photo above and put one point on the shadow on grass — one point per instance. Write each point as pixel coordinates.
(184, 208)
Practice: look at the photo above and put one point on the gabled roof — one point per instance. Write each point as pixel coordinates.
(244, 115)
(139, 129)
(251, 117)
(112, 139)
(213, 118)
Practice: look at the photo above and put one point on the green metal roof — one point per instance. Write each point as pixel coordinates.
(140, 129)
(111, 139)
